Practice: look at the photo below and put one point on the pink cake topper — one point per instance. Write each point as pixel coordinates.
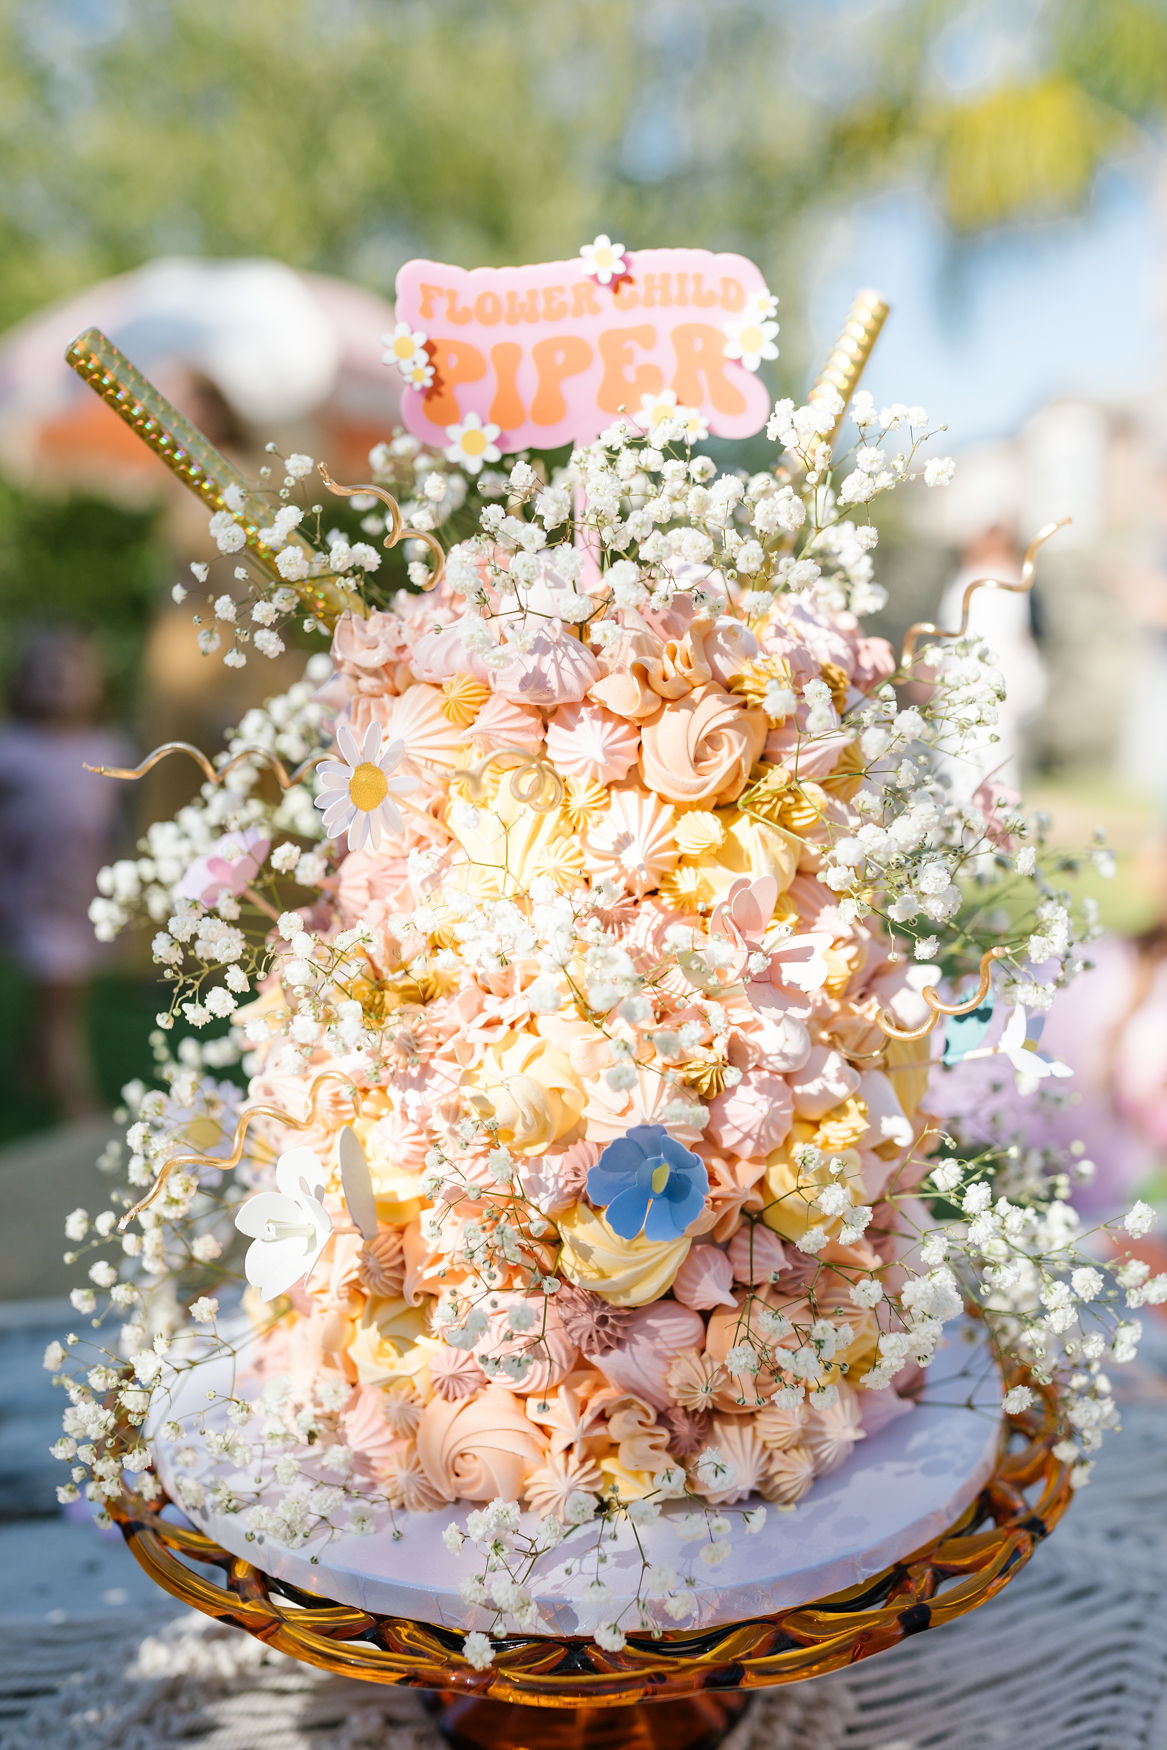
(533, 357)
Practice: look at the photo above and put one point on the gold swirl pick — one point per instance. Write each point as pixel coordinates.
(932, 997)
(397, 531)
(194, 460)
(214, 774)
(851, 352)
(925, 628)
(536, 784)
(224, 1162)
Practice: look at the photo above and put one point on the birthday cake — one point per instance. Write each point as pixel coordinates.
(584, 969)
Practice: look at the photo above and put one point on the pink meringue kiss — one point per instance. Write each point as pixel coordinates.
(705, 1279)
(824, 1081)
(752, 1118)
(558, 669)
(586, 741)
(502, 723)
(441, 652)
(755, 1253)
(654, 1337)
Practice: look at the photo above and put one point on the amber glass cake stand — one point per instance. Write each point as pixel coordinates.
(682, 1690)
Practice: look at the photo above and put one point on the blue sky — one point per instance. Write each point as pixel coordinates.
(984, 338)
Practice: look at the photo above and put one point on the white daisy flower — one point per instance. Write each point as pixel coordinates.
(761, 305)
(358, 792)
(404, 347)
(419, 373)
(750, 339)
(472, 443)
(603, 260)
(656, 409)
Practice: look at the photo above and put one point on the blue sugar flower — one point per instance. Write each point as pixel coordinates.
(646, 1179)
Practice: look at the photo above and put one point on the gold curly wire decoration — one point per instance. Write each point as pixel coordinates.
(224, 1162)
(397, 531)
(214, 774)
(932, 997)
(536, 784)
(925, 628)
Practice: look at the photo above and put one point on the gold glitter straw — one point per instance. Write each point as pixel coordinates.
(195, 461)
(851, 352)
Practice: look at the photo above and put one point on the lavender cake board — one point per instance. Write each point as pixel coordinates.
(899, 1489)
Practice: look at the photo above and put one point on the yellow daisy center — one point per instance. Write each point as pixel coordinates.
(603, 257)
(403, 346)
(473, 442)
(368, 787)
(662, 411)
(751, 339)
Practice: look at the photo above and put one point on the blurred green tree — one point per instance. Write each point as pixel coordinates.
(352, 134)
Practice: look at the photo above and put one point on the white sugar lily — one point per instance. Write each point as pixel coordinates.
(750, 339)
(603, 260)
(356, 1182)
(472, 443)
(358, 789)
(404, 347)
(288, 1227)
(1021, 1051)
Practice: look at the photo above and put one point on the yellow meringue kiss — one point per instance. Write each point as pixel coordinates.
(623, 1272)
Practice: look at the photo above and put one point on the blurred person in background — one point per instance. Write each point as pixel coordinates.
(58, 825)
(1004, 621)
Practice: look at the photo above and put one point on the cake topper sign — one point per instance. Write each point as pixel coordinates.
(553, 353)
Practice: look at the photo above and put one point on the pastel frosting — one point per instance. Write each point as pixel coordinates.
(478, 1448)
(584, 740)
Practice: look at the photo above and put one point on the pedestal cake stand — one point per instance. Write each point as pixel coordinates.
(682, 1688)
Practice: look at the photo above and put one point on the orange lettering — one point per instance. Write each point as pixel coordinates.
(506, 410)
(701, 297)
(565, 356)
(657, 290)
(456, 312)
(733, 295)
(488, 308)
(682, 288)
(583, 299)
(528, 310)
(625, 296)
(699, 355)
(454, 362)
(621, 382)
(554, 303)
(428, 305)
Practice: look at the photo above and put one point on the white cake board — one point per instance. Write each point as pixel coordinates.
(898, 1491)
